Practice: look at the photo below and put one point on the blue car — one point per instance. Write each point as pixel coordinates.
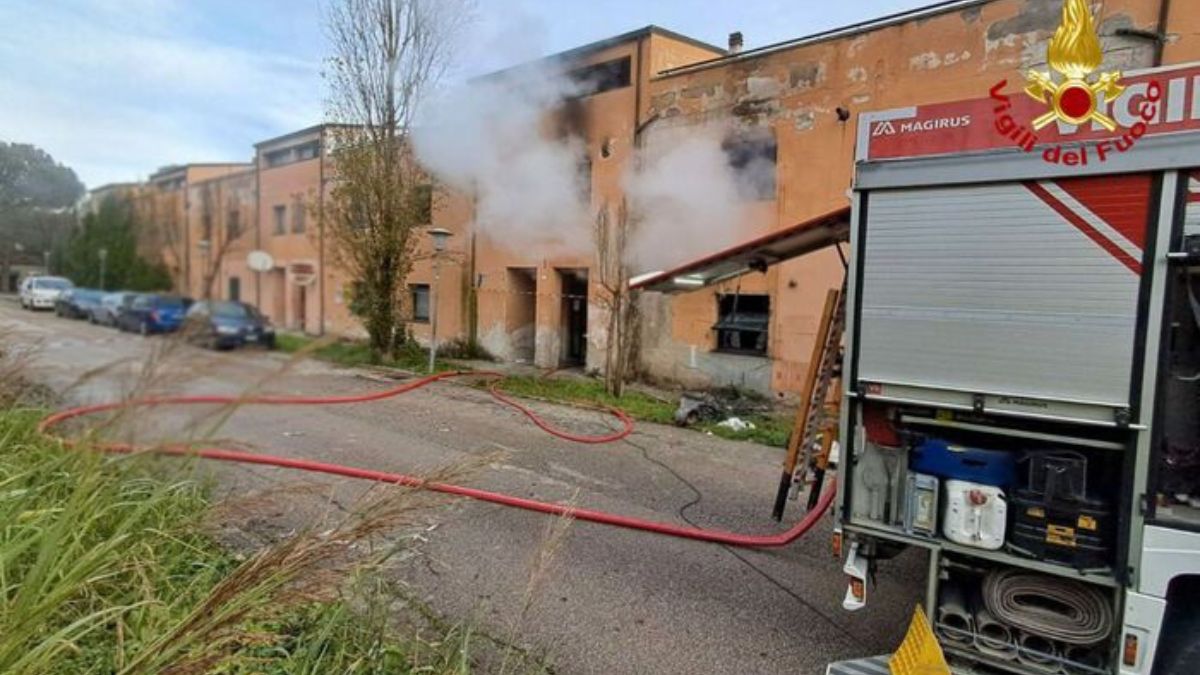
(226, 324)
(150, 313)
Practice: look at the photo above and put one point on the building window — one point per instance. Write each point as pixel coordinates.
(233, 225)
(278, 157)
(585, 179)
(753, 158)
(602, 77)
(308, 151)
(298, 216)
(423, 203)
(420, 301)
(235, 289)
(206, 226)
(281, 219)
(742, 322)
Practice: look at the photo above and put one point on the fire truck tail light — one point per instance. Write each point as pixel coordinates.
(1129, 654)
(858, 589)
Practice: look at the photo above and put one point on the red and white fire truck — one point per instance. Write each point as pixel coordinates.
(1021, 377)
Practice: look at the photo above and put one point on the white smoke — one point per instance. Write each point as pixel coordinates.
(490, 138)
(496, 138)
(686, 197)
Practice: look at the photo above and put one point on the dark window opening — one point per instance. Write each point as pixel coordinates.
(753, 159)
(233, 224)
(422, 197)
(298, 216)
(280, 219)
(585, 179)
(602, 77)
(235, 289)
(206, 226)
(742, 322)
(420, 301)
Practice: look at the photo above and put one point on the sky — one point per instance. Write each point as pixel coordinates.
(118, 88)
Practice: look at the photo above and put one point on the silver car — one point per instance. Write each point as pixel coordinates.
(41, 292)
(105, 313)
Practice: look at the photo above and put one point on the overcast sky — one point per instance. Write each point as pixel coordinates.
(118, 88)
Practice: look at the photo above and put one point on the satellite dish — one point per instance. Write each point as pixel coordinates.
(260, 261)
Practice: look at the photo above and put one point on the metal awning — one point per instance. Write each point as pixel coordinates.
(755, 255)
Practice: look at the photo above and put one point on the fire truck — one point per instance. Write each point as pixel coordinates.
(1009, 378)
(1021, 377)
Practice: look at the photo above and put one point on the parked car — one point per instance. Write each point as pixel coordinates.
(41, 292)
(105, 312)
(152, 313)
(77, 303)
(224, 324)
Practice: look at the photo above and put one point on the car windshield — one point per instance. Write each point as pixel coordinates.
(168, 303)
(231, 310)
(52, 284)
(87, 295)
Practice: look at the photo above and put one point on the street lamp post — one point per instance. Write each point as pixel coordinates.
(440, 236)
(103, 254)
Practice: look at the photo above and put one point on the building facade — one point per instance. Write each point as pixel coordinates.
(791, 107)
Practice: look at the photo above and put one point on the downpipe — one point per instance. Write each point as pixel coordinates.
(549, 508)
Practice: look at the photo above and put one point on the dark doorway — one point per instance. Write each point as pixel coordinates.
(574, 284)
(302, 308)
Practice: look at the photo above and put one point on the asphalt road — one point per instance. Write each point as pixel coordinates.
(612, 601)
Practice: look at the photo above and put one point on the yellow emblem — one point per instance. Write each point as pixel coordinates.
(1075, 53)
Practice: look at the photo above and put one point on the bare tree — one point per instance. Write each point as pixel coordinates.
(221, 210)
(617, 301)
(387, 55)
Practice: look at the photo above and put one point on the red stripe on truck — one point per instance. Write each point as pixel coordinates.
(1083, 226)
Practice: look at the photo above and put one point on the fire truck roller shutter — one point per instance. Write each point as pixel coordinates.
(1022, 288)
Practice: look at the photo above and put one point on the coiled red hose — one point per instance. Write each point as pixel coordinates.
(602, 517)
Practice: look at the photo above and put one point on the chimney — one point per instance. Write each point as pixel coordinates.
(735, 42)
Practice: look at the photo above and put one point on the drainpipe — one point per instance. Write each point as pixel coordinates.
(1160, 46)
(257, 226)
(321, 234)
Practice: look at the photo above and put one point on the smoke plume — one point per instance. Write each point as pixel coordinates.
(512, 141)
(491, 138)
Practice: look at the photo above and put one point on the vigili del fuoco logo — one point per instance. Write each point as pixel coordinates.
(1074, 94)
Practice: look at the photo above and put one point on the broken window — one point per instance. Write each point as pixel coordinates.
(752, 158)
(308, 151)
(280, 219)
(585, 179)
(742, 322)
(602, 77)
(419, 294)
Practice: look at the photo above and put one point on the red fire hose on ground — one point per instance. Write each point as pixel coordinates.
(550, 508)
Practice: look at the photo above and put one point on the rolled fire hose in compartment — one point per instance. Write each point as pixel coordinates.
(1056, 609)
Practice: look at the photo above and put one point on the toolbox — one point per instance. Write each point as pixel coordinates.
(958, 462)
(1078, 533)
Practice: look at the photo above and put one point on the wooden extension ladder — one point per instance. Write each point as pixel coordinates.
(816, 422)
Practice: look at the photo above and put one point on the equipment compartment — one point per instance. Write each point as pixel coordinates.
(1003, 618)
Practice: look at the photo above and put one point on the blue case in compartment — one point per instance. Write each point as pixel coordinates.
(959, 462)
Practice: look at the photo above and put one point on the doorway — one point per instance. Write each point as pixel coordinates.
(520, 313)
(302, 308)
(574, 284)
